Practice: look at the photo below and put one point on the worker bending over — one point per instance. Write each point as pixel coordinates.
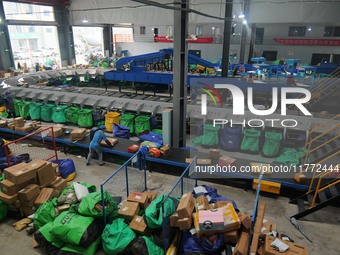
(95, 145)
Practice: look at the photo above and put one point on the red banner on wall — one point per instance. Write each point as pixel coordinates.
(198, 40)
(319, 42)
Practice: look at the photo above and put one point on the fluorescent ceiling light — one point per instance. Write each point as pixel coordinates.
(241, 16)
(244, 22)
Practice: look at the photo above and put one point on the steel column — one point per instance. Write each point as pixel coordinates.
(244, 34)
(6, 55)
(226, 37)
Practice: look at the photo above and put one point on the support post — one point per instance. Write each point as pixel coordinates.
(6, 54)
(244, 34)
(226, 37)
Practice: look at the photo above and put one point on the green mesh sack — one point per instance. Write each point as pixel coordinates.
(290, 156)
(58, 114)
(69, 249)
(88, 203)
(47, 241)
(46, 213)
(46, 112)
(142, 123)
(251, 141)
(35, 111)
(16, 107)
(72, 115)
(128, 121)
(272, 144)
(152, 247)
(85, 118)
(153, 213)
(116, 237)
(24, 109)
(3, 211)
(4, 114)
(210, 135)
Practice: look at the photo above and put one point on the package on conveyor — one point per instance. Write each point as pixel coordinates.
(3, 123)
(128, 210)
(165, 150)
(19, 122)
(113, 141)
(214, 153)
(226, 161)
(78, 134)
(200, 161)
(57, 132)
(133, 148)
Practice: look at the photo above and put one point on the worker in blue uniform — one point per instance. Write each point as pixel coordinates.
(95, 145)
(9, 103)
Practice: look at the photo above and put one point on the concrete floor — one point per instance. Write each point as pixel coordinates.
(323, 226)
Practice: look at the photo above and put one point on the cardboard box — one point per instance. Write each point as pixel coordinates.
(174, 220)
(165, 150)
(11, 126)
(186, 206)
(245, 220)
(231, 237)
(231, 220)
(211, 220)
(29, 193)
(20, 173)
(46, 174)
(9, 200)
(212, 206)
(151, 195)
(57, 132)
(242, 245)
(64, 208)
(45, 195)
(220, 204)
(184, 224)
(300, 177)
(205, 161)
(29, 203)
(78, 134)
(257, 228)
(27, 210)
(214, 153)
(140, 198)
(9, 188)
(268, 186)
(294, 249)
(201, 203)
(128, 210)
(3, 123)
(139, 225)
(19, 122)
(56, 168)
(25, 128)
(59, 184)
(268, 227)
(226, 161)
(113, 141)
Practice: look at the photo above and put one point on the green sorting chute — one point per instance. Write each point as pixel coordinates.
(46, 213)
(85, 118)
(152, 247)
(88, 203)
(142, 123)
(291, 156)
(116, 237)
(58, 114)
(251, 140)
(72, 115)
(128, 121)
(76, 229)
(3, 211)
(46, 112)
(272, 144)
(35, 111)
(24, 109)
(69, 249)
(153, 213)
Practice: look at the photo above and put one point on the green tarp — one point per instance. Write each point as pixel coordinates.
(251, 140)
(35, 111)
(142, 123)
(85, 118)
(128, 121)
(72, 115)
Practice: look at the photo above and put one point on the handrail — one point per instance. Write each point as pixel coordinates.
(327, 142)
(317, 189)
(323, 124)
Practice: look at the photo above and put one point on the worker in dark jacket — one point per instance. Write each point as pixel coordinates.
(95, 145)
(9, 104)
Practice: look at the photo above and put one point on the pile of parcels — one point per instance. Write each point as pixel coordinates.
(18, 124)
(26, 186)
(212, 224)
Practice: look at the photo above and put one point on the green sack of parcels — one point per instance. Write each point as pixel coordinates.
(35, 111)
(69, 249)
(46, 241)
(46, 112)
(17, 106)
(76, 229)
(153, 213)
(90, 187)
(3, 211)
(58, 114)
(72, 115)
(46, 213)
(152, 247)
(128, 120)
(251, 140)
(142, 123)
(24, 109)
(272, 144)
(4, 114)
(116, 237)
(88, 204)
(85, 118)
(210, 135)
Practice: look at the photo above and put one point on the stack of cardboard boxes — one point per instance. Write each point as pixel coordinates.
(136, 203)
(28, 185)
(19, 125)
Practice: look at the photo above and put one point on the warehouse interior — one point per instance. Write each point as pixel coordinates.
(169, 127)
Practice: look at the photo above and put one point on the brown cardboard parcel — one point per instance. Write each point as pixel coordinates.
(201, 203)
(20, 174)
(174, 220)
(231, 237)
(242, 245)
(58, 131)
(59, 184)
(29, 193)
(19, 122)
(294, 249)
(45, 195)
(128, 210)
(9, 200)
(140, 198)
(25, 128)
(78, 134)
(9, 188)
(46, 174)
(138, 224)
(185, 224)
(186, 206)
